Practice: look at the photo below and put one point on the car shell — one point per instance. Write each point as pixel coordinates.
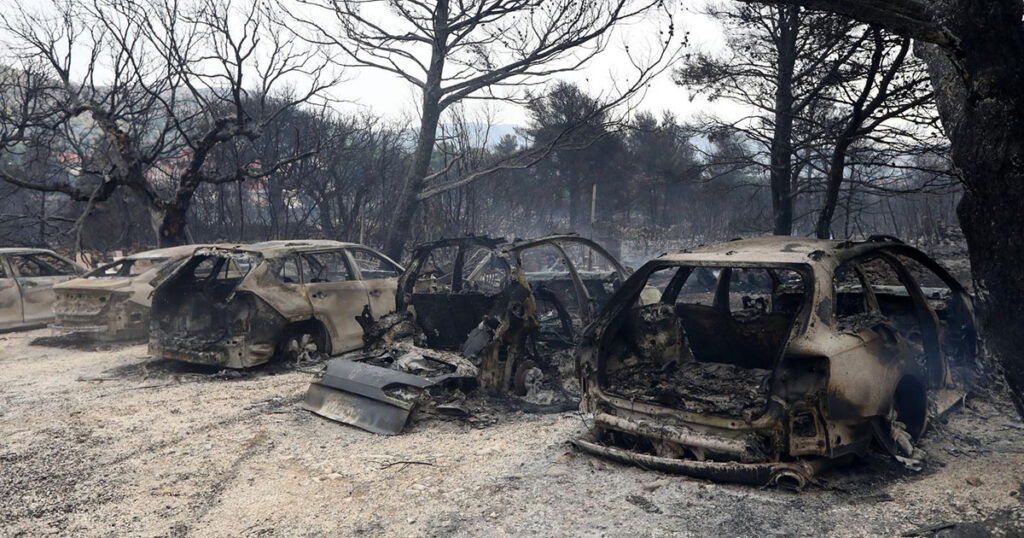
(497, 306)
(26, 300)
(113, 307)
(267, 310)
(855, 375)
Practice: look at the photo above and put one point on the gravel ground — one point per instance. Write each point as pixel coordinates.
(101, 440)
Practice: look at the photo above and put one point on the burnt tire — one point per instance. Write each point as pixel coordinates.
(525, 375)
(301, 348)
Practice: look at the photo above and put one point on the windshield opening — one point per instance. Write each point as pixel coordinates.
(128, 267)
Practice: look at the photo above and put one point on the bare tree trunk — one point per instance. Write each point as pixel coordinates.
(782, 136)
(171, 230)
(982, 109)
(837, 166)
(415, 180)
(401, 230)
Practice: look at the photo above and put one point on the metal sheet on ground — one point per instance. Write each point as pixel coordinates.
(353, 393)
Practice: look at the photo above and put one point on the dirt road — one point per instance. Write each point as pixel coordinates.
(101, 440)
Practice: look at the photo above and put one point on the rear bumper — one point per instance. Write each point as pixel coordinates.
(793, 475)
(69, 327)
(232, 353)
(123, 319)
(710, 448)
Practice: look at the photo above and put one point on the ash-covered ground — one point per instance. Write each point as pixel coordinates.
(100, 440)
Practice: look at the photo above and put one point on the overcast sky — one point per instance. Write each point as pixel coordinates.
(388, 95)
(391, 96)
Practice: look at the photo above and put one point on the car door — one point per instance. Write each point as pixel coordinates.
(381, 277)
(10, 299)
(36, 274)
(337, 297)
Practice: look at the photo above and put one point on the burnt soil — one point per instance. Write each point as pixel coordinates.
(105, 442)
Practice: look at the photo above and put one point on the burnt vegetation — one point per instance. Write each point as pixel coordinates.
(820, 130)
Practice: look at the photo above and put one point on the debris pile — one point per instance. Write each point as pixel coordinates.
(479, 322)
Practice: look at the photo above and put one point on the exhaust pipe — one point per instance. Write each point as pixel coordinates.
(789, 479)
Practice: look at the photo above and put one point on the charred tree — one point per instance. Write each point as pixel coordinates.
(882, 82)
(975, 56)
(781, 62)
(166, 85)
(452, 51)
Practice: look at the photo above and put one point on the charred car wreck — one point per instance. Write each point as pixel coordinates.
(240, 306)
(472, 313)
(112, 301)
(766, 359)
(27, 279)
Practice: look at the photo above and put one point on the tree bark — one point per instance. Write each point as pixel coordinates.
(171, 231)
(415, 181)
(782, 136)
(982, 108)
(430, 114)
(836, 169)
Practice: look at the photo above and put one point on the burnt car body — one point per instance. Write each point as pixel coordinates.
(27, 279)
(240, 306)
(471, 312)
(766, 359)
(113, 300)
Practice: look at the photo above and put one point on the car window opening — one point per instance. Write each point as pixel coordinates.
(709, 344)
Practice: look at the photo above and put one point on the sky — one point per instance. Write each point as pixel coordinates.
(387, 95)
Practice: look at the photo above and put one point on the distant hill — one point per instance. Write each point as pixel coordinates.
(492, 134)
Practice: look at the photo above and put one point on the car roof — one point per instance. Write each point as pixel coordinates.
(168, 252)
(270, 249)
(776, 249)
(25, 250)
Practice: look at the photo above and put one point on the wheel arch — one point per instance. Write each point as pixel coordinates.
(312, 326)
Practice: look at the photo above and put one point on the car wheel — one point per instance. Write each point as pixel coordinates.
(301, 349)
(527, 375)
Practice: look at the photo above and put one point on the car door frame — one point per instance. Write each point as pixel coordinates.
(381, 302)
(41, 286)
(345, 334)
(9, 284)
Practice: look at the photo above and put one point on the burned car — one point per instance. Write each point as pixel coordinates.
(112, 301)
(766, 359)
(472, 313)
(240, 306)
(27, 279)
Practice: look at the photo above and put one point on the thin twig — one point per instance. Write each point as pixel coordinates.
(406, 463)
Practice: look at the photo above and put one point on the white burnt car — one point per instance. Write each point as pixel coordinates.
(238, 306)
(763, 360)
(27, 278)
(112, 301)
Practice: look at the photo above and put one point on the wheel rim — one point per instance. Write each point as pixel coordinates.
(302, 348)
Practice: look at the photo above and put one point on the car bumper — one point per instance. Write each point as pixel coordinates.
(232, 353)
(793, 475)
(120, 320)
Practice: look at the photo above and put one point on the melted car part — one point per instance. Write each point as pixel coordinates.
(762, 360)
(376, 399)
(509, 311)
